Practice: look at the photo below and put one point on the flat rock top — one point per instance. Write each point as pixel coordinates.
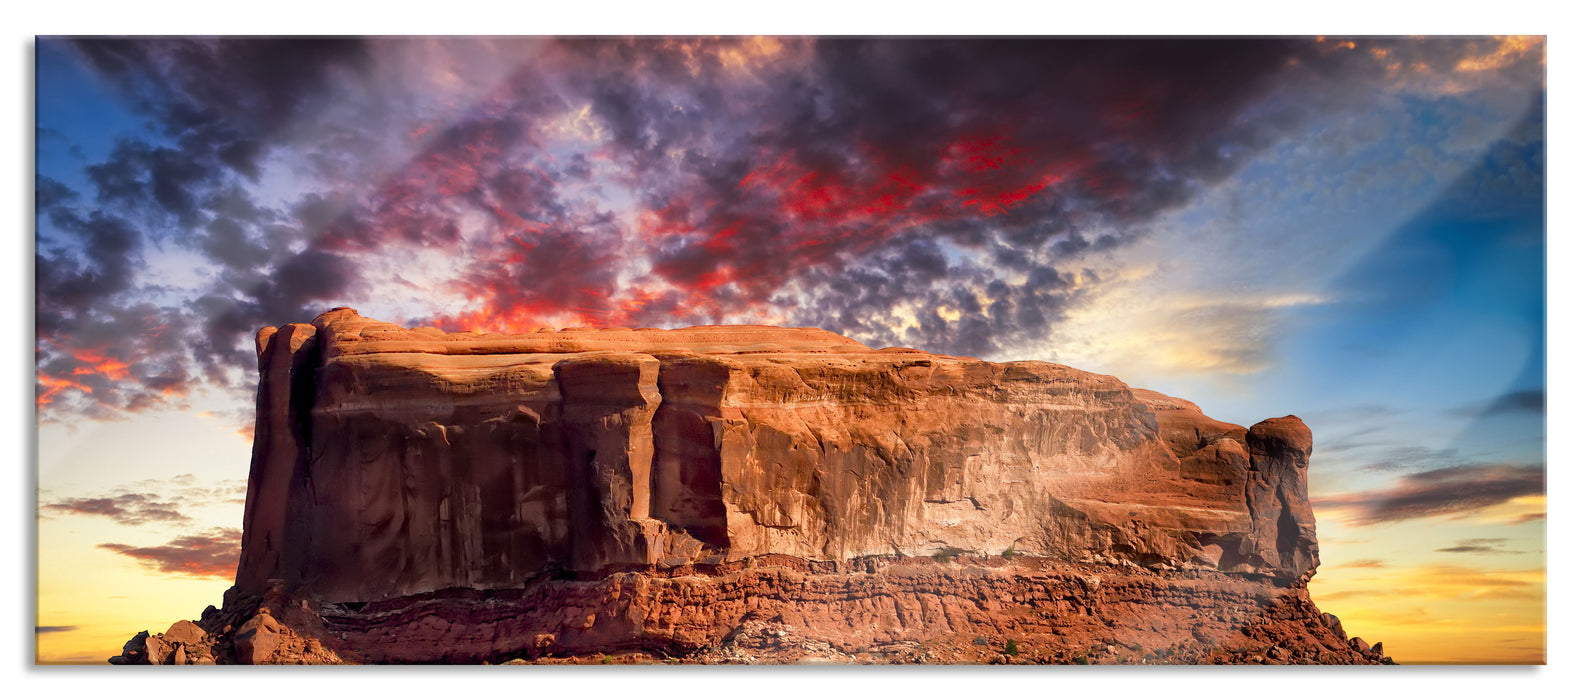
(349, 333)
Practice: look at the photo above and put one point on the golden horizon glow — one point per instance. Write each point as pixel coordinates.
(105, 609)
(1406, 586)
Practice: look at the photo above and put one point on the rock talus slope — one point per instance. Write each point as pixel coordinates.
(418, 496)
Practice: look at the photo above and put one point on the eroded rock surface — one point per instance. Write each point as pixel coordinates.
(422, 496)
(479, 461)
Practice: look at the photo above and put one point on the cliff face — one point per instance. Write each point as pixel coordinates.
(391, 462)
(750, 494)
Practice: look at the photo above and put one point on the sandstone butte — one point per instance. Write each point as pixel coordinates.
(723, 494)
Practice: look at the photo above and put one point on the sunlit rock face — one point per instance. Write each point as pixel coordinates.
(390, 462)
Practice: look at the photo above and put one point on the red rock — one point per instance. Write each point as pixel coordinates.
(1285, 535)
(158, 651)
(1333, 623)
(478, 460)
(749, 493)
(1359, 645)
(257, 639)
(185, 632)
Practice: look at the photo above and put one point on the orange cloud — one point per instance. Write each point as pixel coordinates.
(1447, 582)
(212, 554)
(1510, 50)
(50, 386)
(96, 363)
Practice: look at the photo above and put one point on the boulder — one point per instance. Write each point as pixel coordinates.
(185, 632)
(135, 650)
(1359, 646)
(1333, 623)
(257, 639)
(158, 650)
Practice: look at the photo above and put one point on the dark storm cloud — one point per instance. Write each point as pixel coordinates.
(91, 258)
(69, 284)
(99, 349)
(50, 195)
(138, 175)
(1116, 110)
(834, 169)
(469, 167)
(839, 162)
(645, 182)
(213, 106)
(292, 291)
(539, 254)
(209, 554)
(226, 96)
(1447, 491)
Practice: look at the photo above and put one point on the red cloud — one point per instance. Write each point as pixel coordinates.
(213, 554)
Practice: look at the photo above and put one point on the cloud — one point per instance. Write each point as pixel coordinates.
(1360, 564)
(1443, 582)
(1353, 593)
(1447, 491)
(1474, 583)
(152, 500)
(1523, 402)
(126, 508)
(47, 629)
(1138, 329)
(223, 97)
(1480, 545)
(1414, 458)
(216, 107)
(209, 554)
(1360, 413)
(956, 195)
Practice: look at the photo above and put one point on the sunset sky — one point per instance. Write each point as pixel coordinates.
(1349, 230)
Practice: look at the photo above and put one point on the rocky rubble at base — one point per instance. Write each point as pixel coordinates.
(962, 610)
(272, 630)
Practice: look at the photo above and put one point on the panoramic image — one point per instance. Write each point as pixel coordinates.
(790, 350)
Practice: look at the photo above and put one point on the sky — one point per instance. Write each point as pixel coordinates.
(1351, 230)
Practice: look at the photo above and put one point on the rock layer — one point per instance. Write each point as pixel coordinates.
(422, 496)
(391, 462)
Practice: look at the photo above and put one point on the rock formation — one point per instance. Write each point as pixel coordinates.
(417, 496)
